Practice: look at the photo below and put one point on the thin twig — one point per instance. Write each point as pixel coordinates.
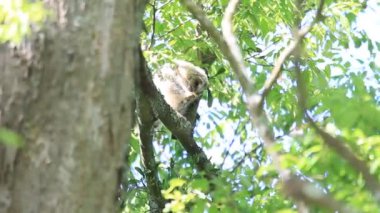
(230, 145)
(276, 71)
(173, 29)
(152, 40)
(246, 154)
(164, 4)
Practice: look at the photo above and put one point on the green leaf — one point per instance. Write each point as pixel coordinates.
(10, 138)
(177, 182)
(201, 184)
(140, 171)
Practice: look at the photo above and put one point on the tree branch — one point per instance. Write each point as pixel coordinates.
(146, 120)
(232, 53)
(308, 194)
(154, 11)
(277, 69)
(371, 182)
(235, 62)
(176, 123)
(335, 144)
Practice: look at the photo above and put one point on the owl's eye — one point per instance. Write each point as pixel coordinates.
(195, 86)
(196, 83)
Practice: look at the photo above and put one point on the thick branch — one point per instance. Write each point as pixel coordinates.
(233, 47)
(309, 194)
(339, 146)
(176, 123)
(146, 120)
(236, 61)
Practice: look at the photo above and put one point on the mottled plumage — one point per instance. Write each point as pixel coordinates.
(182, 86)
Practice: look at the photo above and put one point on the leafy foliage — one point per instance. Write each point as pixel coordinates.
(342, 78)
(16, 16)
(10, 138)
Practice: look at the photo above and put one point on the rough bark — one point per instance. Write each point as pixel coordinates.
(146, 120)
(69, 92)
(177, 124)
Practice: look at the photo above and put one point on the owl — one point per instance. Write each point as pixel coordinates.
(182, 85)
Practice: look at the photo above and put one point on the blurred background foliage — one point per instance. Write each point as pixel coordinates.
(17, 17)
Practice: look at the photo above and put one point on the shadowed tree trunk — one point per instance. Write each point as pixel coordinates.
(69, 92)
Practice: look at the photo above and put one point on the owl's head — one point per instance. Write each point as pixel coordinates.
(195, 77)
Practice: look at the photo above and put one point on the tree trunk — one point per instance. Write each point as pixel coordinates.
(69, 92)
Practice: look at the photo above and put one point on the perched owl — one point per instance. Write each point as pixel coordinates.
(182, 86)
